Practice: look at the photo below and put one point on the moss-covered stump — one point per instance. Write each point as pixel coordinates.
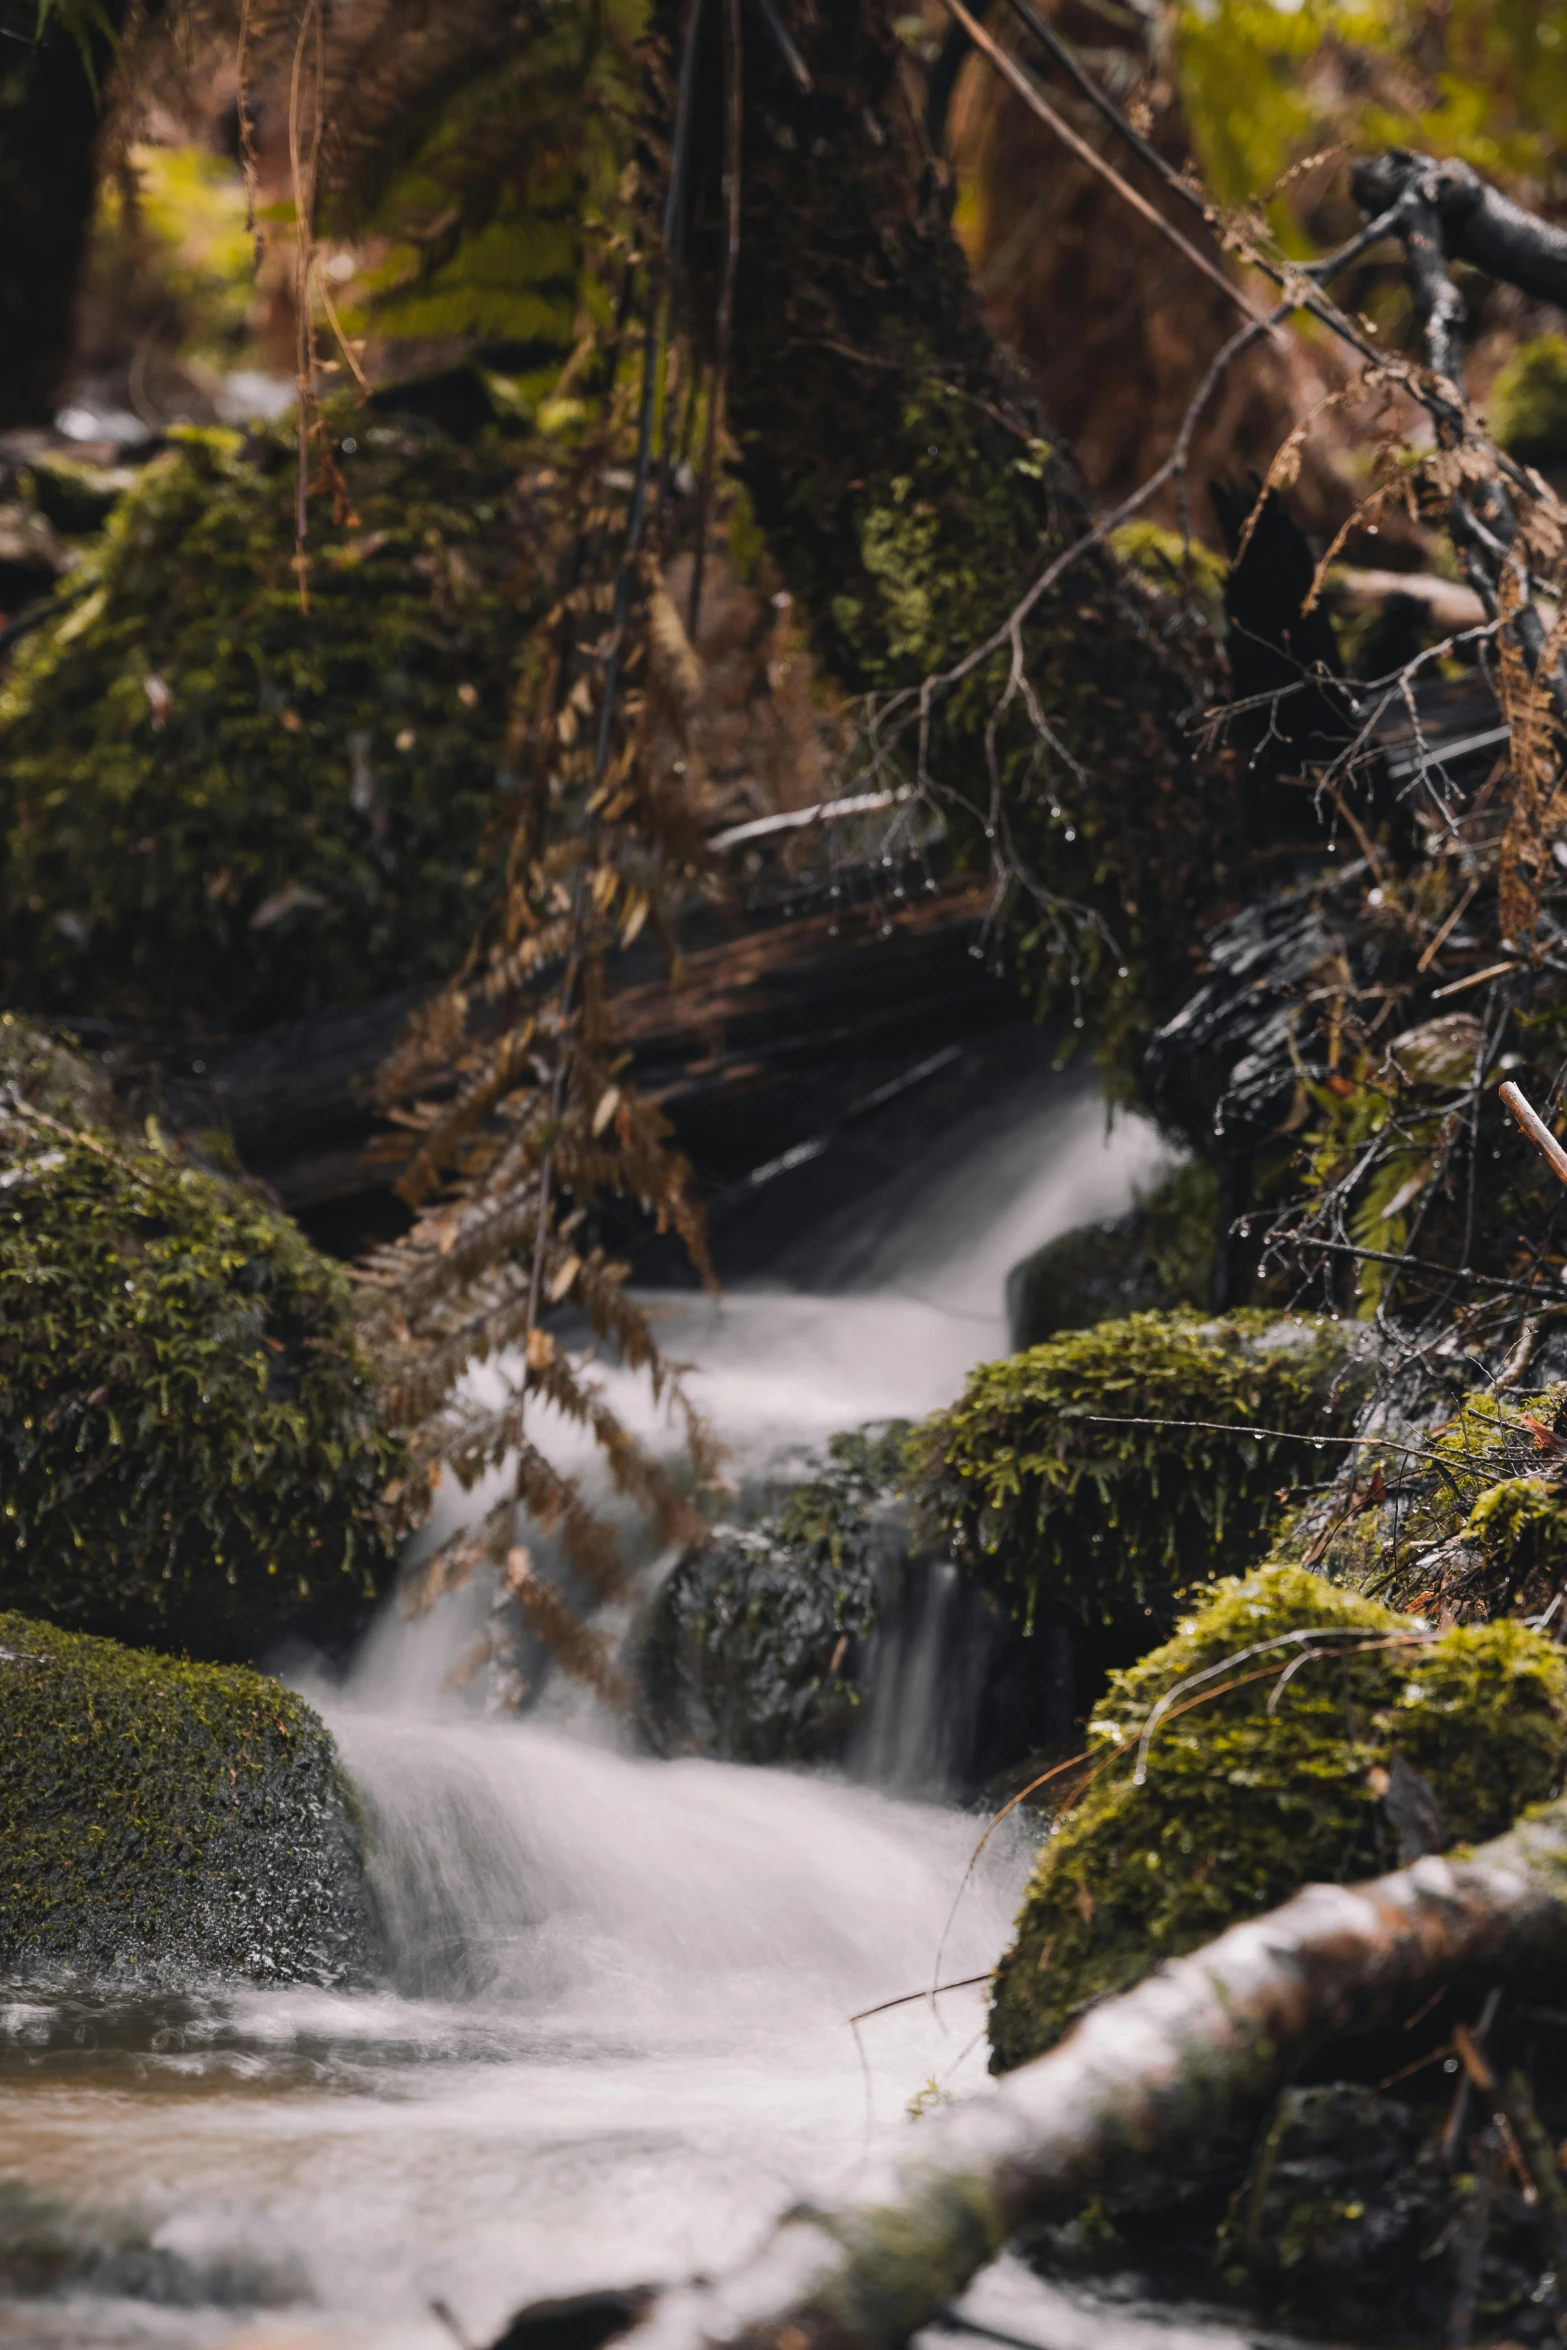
(1292, 1731)
(1057, 1493)
(218, 808)
(190, 1444)
(165, 1820)
(1157, 1256)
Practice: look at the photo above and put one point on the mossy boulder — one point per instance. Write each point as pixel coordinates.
(1291, 1731)
(1156, 1256)
(163, 1820)
(1072, 1477)
(190, 1442)
(220, 808)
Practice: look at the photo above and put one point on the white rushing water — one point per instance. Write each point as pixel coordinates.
(616, 2039)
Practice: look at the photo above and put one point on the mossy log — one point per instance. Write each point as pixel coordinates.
(1151, 2087)
(161, 1820)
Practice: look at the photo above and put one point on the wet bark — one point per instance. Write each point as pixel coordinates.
(1154, 2085)
(909, 489)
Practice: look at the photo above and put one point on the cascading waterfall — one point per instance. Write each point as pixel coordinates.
(615, 2039)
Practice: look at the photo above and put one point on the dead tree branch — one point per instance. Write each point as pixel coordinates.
(1163, 2081)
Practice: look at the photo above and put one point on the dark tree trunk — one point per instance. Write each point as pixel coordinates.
(908, 488)
(49, 114)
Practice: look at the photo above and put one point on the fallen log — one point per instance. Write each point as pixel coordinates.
(1158, 2084)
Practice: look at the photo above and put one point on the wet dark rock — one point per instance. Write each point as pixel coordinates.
(161, 1821)
(1222, 1070)
(580, 2321)
(1351, 2223)
(820, 1632)
(1159, 1254)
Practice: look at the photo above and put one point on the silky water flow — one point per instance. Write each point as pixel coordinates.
(614, 2043)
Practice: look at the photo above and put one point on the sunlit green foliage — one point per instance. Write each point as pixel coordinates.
(1265, 1775)
(1263, 86)
(170, 243)
(494, 177)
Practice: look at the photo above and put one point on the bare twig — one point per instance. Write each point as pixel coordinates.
(1534, 1126)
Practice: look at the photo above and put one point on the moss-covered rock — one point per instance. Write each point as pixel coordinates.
(1343, 2221)
(217, 807)
(756, 1646)
(190, 1445)
(162, 1820)
(1050, 1506)
(1465, 1518)
(1291, 1731)
(1156, 1256)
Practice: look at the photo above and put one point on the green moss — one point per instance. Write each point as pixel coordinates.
(189, 1440)
(1158, 1255)
(757, 1636)
(1275, 1778)
(1528, 403)
(75, 496)
(1473, 1518)
(162, 1819)
(1051, 1508)
(217, 808)
(1183, 569)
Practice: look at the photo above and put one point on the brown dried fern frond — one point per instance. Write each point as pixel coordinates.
(527, 1119)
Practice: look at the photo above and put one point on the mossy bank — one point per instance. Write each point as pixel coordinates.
(161, 1820)
(191, 1448)
(1291, 1731)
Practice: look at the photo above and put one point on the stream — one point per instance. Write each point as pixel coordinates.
(615, 2042)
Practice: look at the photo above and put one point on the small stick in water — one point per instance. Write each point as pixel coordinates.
(1534, 1126)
